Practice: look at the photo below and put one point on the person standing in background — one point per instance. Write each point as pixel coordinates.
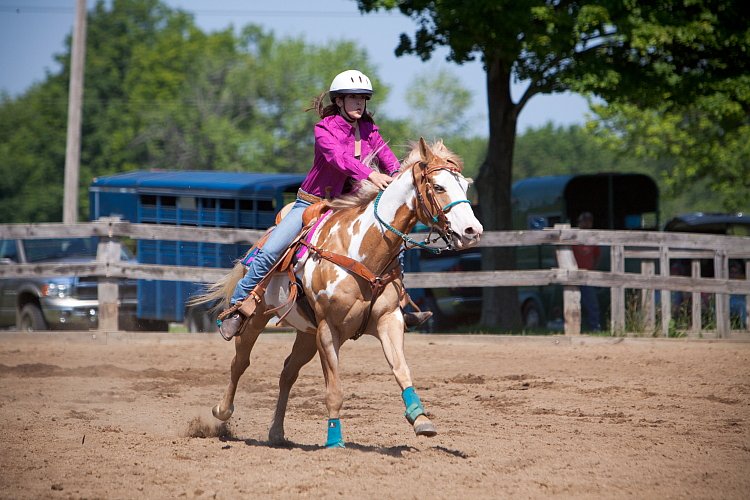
(587, 257)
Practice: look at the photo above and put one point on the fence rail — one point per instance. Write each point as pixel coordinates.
(648, 247)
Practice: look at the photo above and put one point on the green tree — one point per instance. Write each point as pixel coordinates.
(438, 105)
(573, 149)
(438, 101)
(636, 51)
(32, 153)
(159, 92)
(287, 75)
(140, 52)
(694, 143)
(557, 150)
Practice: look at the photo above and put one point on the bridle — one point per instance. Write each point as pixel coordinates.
(429, 210)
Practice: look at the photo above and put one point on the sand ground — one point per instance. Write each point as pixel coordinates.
(126, 415)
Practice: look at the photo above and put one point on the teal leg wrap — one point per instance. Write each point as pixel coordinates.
(335, 440)
(413, 405)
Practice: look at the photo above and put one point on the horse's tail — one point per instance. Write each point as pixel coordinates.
(220, 293)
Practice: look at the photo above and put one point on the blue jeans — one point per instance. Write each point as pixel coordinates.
(737, 311)
(590, 308)
(277, 242)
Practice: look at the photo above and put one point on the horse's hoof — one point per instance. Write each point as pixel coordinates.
(279, 442)
(277, 438)
(426, 429)
(222, 415)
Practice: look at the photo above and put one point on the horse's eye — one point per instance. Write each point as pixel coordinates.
(439, 188)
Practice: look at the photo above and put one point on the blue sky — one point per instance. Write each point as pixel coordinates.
(32, 31)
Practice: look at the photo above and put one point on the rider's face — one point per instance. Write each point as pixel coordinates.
(353, 104)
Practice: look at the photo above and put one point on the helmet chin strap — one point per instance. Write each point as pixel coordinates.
(345, 114)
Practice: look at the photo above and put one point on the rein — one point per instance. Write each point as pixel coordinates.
(436, 216)
(407, 239)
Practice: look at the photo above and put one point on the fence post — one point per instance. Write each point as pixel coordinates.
(571, 293)
(617, 301)
(695, 324)
(647, 297)
(109, 252)
(666, 295)
(721, 271)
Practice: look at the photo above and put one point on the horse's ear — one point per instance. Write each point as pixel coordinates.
(424, 151)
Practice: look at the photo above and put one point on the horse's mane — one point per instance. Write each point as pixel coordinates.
(365, 191)
(438, 149)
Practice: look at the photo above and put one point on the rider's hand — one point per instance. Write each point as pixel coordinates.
(380, 180)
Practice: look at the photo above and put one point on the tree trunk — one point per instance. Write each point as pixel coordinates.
(500, 304)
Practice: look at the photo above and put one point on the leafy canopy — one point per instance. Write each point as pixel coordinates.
(161, 93)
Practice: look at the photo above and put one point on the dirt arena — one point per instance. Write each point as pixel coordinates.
(128, 416)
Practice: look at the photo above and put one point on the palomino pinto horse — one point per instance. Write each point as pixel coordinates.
(370, 228)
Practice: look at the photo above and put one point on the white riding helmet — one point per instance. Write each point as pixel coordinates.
(350, 81)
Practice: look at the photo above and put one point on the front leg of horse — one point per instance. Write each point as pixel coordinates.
(391, 335)
(328, 344)
(303, 351)
(243, 345)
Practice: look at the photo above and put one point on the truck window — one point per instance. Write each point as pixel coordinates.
(8, 250)
(59, 248)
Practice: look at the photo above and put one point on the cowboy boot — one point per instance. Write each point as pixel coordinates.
(415, 319)
(233, 318)
(231, 325)
(411, 319)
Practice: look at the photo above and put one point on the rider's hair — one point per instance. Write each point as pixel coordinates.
(319, 105)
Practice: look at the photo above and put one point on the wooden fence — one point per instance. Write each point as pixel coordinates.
(648, 247)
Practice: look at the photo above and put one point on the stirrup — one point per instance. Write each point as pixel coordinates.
(247, 307)
(228, 312)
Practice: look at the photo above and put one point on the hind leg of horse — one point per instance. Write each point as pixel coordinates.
(303, 351)
(391, 335)
(243, 345)
(328, 344)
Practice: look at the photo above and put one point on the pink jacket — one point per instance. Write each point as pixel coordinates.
(334, 160)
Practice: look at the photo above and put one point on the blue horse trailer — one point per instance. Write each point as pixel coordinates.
(241, 200)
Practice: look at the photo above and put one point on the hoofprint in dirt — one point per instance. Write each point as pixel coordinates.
(128, 416)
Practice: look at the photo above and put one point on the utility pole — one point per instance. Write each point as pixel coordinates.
(75, 103)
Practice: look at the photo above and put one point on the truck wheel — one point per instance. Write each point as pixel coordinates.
(31, 319)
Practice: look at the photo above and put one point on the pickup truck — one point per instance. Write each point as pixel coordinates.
(56, 303)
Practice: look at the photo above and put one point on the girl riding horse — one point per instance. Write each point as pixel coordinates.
(345, 135)
(347, 277)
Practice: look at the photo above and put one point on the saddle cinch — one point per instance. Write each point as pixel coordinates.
(285, 263)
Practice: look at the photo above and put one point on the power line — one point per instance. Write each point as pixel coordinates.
(27, 9)
(50, 9)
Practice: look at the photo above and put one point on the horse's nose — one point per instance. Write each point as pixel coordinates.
(473, 232)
